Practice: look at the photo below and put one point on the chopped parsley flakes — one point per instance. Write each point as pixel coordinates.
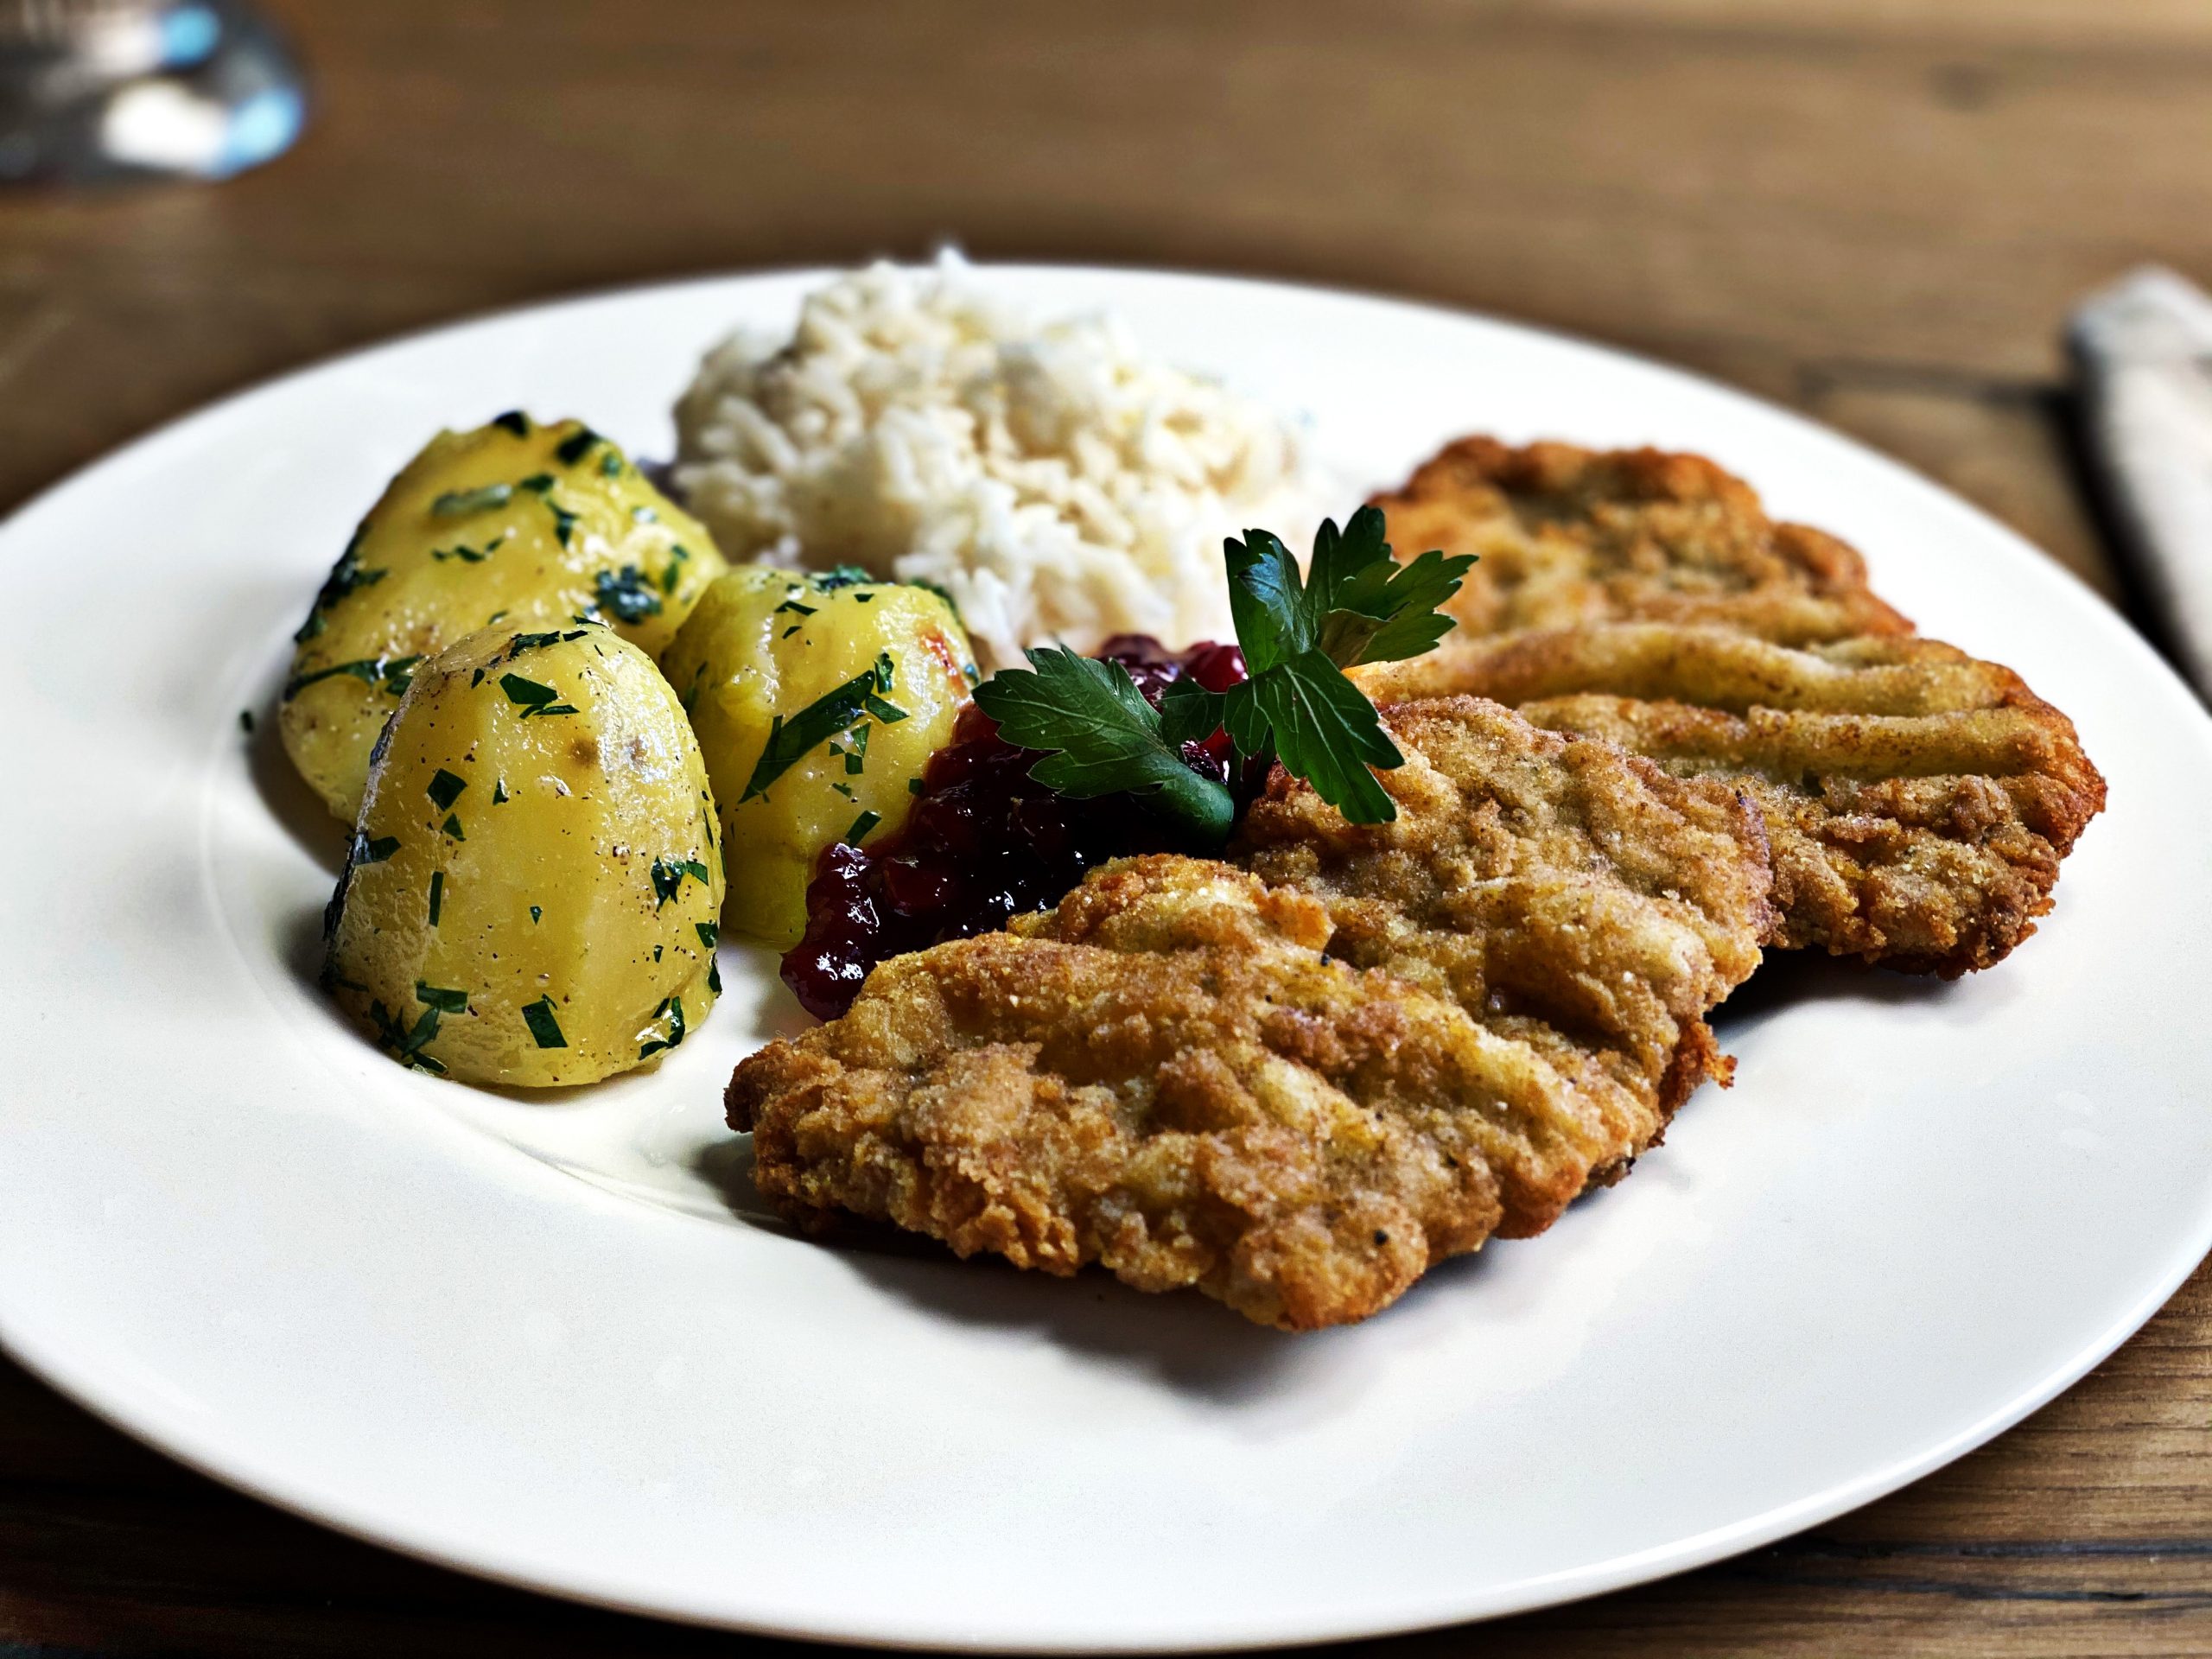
(405, 1043)
(458, 504)
(626, 593)
(445, 1002)
(346, 579)
(366, 851)
(393, 674)
(533, 698)
(543, 1024)
(790, 741)
(670, 1009)
(668, 877)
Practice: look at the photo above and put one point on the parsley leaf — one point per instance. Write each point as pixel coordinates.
(1322, 728)
(394, 674)
(627, 594)
(533, 698)
(455, 503)
(1372, 608)
(1356, 604)
(1274, 622)
(1299, 632)
(346, 579)
(445, 1002)
(405, 1043)
(667, 875)
(670, 1009)
(1105, 738)
(366, 851)
(544, 1027)
(792, 741)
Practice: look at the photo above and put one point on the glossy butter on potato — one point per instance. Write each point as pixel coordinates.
(533, 889)
(514, 524)
(817, 700)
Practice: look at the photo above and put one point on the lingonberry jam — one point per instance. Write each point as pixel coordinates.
(985, 841)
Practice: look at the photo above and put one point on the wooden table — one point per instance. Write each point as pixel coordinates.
(1876, 210)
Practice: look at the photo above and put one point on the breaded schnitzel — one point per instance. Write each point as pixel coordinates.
(1567, 535)
(1564, 894)
(1918, 801)
(1172, 1074)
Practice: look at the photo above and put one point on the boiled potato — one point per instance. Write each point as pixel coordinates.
(512, 524)
(818, 699)
(533, 890)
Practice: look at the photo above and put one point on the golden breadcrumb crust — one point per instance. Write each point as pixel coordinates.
(1567, 536)
(1174, 1074)
(1918, 801)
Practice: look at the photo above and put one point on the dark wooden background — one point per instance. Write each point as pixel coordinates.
(1876, 210)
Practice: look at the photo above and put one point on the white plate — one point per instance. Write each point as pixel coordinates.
(387, 1302)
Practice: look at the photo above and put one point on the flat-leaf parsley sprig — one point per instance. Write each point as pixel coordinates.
(1103, 739)
(1355, 604)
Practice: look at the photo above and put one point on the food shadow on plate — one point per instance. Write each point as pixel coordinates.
(1186, 1341)
(727, 1167)
(1789, 979)
(1183, 1340)
(303, 953)
(286, 794)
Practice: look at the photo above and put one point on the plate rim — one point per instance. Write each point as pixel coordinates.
(138, 1415)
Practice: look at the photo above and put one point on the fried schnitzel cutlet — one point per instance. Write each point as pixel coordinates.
(1567, 536)
(1918, 801)
(1555, 890)
(1173, 1074)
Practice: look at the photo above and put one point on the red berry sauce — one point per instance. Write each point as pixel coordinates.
(985, 841)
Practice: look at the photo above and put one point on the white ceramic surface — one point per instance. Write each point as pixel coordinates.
(389, 1302)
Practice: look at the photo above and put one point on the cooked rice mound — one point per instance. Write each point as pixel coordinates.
(1058, 484)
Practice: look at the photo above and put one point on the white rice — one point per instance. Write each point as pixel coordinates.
(1060, 484)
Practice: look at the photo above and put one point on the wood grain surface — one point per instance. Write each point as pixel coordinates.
(1875, 210)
